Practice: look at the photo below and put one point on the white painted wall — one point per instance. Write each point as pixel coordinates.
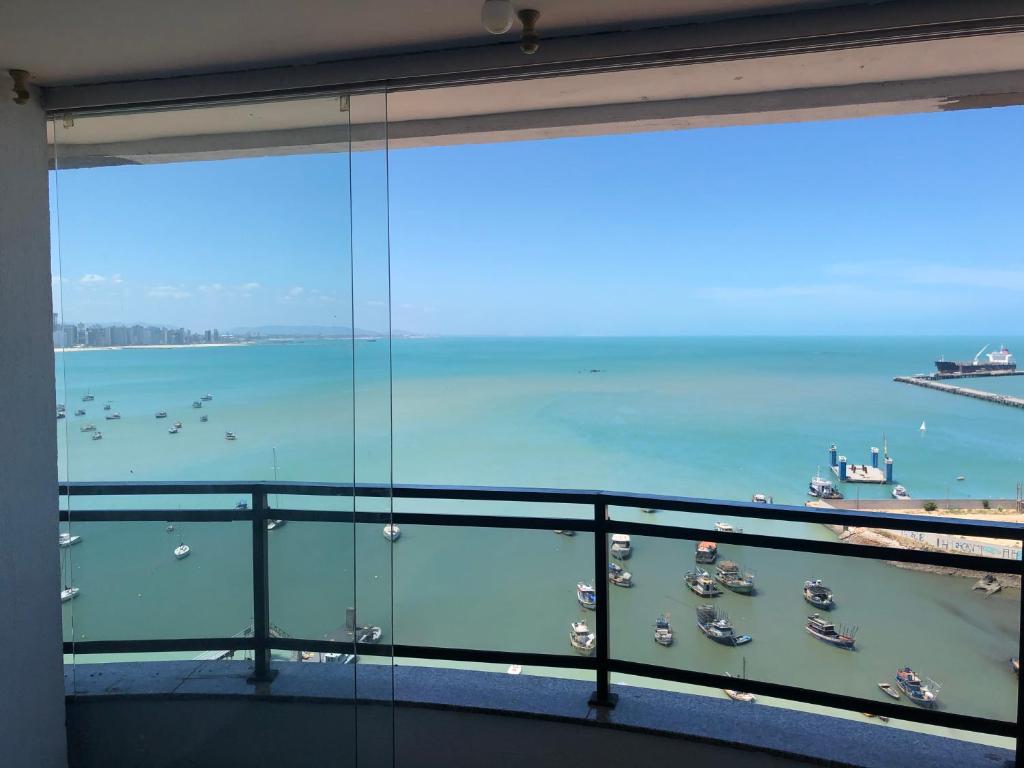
(32, 731)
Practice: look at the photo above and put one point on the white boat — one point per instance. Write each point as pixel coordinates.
(565, 533)
(728, 527)
(69, 593)
(172, 431)
(581, 638)
(88, 397)
(923, 427)
(161, 414)
(663, 634)
(87, 428)
(273, 525)
(761, 498)
(113, 416)
(67, 540)
(97, 435)
(392, 532)
(899, 492)
(619, 576)
(622, 548)
(586, 596)
(181, 551)
(204, 417)
(207, 397)
(230, 436)
(170, 528)
(889, 690)
(178, 425)
(61, 414)
(738, 695)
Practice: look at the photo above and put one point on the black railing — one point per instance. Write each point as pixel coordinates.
(603, 663)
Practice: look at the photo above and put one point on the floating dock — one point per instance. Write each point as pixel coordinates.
(859, 473)
(977, 394)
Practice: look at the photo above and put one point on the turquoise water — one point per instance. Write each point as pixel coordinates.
(722, 417)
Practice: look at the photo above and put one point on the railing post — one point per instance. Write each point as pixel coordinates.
(602, 696)
(1018, 755)
(262, 672)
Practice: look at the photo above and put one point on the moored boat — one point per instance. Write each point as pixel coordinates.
(716, 626)
(69, 593)
(621, 548)
(739, 695)
(273, 525)
(825, 630)
(818, 595)
(80, 412)
(761, 498)
(1015, 665)
(701, 584)
(586, 595)
(888, 690)
(899, 492)
(619, 576)
(87, 428)
(112, 416)
(207, 397)
(204, 418)
(88, 397)
(663, 634)
(707, 552)
(230, 436)
(97, 435)
(161, 414)
(197, 404)
(566, 533)
(172, 431)
(581, 638)
(916, 689)
(821, 488)
(729, 575)
(67, 540)
(182, 551)
(727, 528)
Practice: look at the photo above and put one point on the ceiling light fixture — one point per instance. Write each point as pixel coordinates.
(529, 42)
(497, 16)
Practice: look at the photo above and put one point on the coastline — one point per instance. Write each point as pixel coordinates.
(155, 346)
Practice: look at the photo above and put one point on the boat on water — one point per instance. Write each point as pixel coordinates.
(701, 584)
(619, 576)
(514, 669)
(88, 397)
(230, 436)
(392, 532)
(899, 492)
(566, 533)
(67, 540)
(707, 552)
(581, 638)
(368, 634)
(112, 416)
(761, 498)
(825, 630)
(80, 412)
(177, 425)
(106, 406)
(87, 428)
(69, 593)
(182, 551)
(649, 511)
(923, 427)
(97, 435)
(172, 431)
(204, 418)
(919, 691)
(999, 361)
(716, 626)
(821, 488)
(170, 528)
(273, 525)
(818, 595)
(1015, 665)
(739, 695)
(727, 528)
(206, 398)
(729, 575)
(888, 690)
(586, 596)
(161, 414)
(241, 504)
(622, 548)
(663, 634)
(61, 415)
(197, 404)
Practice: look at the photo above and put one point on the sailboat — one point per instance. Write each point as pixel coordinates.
(69, 592)
(273, 525)
(740, 695)
(923, 428)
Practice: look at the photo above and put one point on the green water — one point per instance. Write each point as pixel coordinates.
(700, 417)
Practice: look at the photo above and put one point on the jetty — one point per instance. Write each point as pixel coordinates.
(977, 394)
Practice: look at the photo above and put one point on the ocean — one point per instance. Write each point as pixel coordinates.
(706, 417)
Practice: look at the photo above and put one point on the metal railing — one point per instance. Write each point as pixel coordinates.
(603, 663)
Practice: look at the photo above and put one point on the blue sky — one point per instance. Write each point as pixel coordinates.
(901, 225)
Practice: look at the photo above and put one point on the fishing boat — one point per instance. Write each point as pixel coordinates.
(716, 626)
(619, 576)
(197, 404)
(621, 546)
(701, 584)
(88, 428)
(172, 431)
(97, 435)
(161, 414)
(823, 629)
(707, 552)
(899, 492)
(888, 690)
(112, 416)
(586, 596)
(230, 436)
(818, 595)
(727, 528)
(821, 488)
(204, 418)
(728, 574)
(106, 406)
(392, 532)
(67, 540)
(761, 498)
(206, 398)
(663, 634)
(80, 412)
(915, 688)
(581, 638)
(182, 551)
(69, 593)
(88, 397)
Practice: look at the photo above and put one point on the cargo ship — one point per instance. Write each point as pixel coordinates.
(1000, 360)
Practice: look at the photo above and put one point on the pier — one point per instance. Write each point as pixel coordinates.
(977, 394)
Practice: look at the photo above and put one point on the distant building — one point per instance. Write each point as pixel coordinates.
(118, 336)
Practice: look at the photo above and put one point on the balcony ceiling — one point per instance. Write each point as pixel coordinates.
(61, 42)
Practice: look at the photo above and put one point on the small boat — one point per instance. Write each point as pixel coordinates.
(106, 406)
(170, 528)
(392, 532)
(649, 511)
(61, 407)
(67, 540)
(97, 435)
(740, 695)
(761, 498)
(663, 634)
(514, 669)
(727, 528)
(821, 488)
(204, 418)
(241, 504)
(566, 533)
(728, 574)
(586, 596)
(172, 431)
(581, 638)
(369, 634)
(230, 436)
(1015, 665)
(923, 427)
(818, 595)
(61, 414)
(182, 550)
(823, 629)
(988, 584)
(69, 593)
(88, 428)
(161, 414)
(621, 546)
(177, 425)
(961, 477)
(88, 397)
(206, 398)
(273, 525)
(112, 416)
(619, 576)
(80, 412)
(899, 492)
(197, 404)
(888, 690)
(701, 584)
(707, 552)
(716, 626)
(915, 688)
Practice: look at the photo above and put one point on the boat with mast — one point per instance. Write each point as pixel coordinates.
(729, 575)
(920, 691)
(740, 695)
(716, 626)
(825, 630)
(818, 595)
(663, 634)
(701, 584)
(707, 552)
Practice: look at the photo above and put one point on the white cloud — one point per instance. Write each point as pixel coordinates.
(298, 290)
(116, 278)
(248, 286)
(923, 273)
(92, 279)
(211, 288)
(168, 292)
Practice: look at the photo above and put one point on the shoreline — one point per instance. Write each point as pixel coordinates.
(155, 346)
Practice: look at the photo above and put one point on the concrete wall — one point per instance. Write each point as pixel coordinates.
(31, 677)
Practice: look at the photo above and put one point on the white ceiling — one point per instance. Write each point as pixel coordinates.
(82, 41)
